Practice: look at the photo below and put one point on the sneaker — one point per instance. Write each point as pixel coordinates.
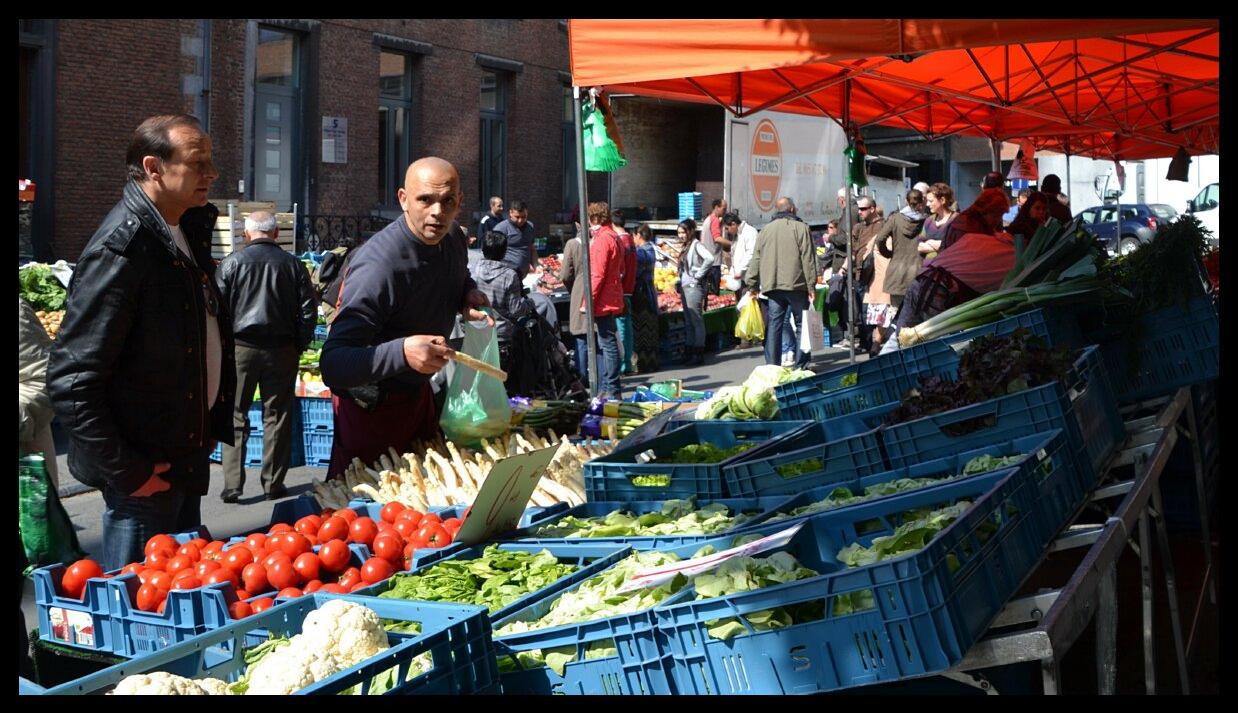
(788, 359)
(230, 496)
(276, 492)
(844, 344)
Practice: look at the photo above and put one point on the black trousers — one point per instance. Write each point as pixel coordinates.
(274, 372)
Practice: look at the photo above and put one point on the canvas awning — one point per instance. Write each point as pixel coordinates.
(1105, 88)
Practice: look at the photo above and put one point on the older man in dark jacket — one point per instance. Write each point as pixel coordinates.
(268, 292)
(141, 375)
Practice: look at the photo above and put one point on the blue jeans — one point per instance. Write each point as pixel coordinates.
(785, 306)
(582, 356)
(694, 314)
(128, 522)
(608, 365)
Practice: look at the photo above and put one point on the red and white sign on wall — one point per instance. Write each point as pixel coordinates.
(766, 164)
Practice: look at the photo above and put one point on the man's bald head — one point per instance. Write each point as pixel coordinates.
(430, 198)
(785, 205)
(261, 224)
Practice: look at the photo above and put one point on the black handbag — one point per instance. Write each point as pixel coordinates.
(867, 270)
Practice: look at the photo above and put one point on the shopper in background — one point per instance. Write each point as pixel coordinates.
(645, 304)
(695, 263)
(716, 241)
(606, 286)
(268, 292)
(836, 298)
(743, 239)
(501, 285)
(784, 269)
(627, 343)
(487, 223)
(1022, 196)
(1032, 214)
(142, 375)
(983, 216)
(899, 241)
(34, 433)
(863, 272)
(938, 198)
(1051, 186)
(521, 251)
(570, 272)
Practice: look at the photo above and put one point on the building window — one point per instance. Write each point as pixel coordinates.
(571, 185)
(277, 58)
(395, 109)
(493, 159)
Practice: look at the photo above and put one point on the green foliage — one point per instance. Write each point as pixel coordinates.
(494, 580)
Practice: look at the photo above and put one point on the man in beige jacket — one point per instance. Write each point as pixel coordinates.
(784, 268)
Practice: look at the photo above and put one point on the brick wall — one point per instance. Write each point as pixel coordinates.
(107, 82)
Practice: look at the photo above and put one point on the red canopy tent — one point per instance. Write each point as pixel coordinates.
(1105, 88)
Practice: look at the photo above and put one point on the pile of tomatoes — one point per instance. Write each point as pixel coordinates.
(310, 555)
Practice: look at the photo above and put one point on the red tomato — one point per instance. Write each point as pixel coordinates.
(384, 527)
(409, 550)
(198, 542)
(240, 610)
(376, 570)
(326, 513)
(255, 577)
(133, 567)
(334, 556)
(205, 567)
(178, 563)
(289, 593)
(307, 566)
(274, 557)
(313, 540)
(237, 557)
(390, 511)
(308, 525)
(434, 535)
(347, 514)
(409, 514)
(388, 546)
(312, 586)
(214, 546)
(181, 574)
(333, 528)
(160, 542)
(223, 575)
(333, 587)
(351, 576)
(190, 550)
(452, 525)
(75, 576)
(406, 527)
(242, 594)
(279, 527)
(256, 542)
(190, 582)
(261, 604)
(282, 574)
(160, 579)
(362, 531)
(430, 517)
(159, 558)
(294, 544)
(417, 539)
(149, 597)
(358, 585)
(162, 605)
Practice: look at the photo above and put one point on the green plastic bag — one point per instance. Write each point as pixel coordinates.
(749, 325)
(46, 533)
(476, 405)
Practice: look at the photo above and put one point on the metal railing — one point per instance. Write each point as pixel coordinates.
(316, 233)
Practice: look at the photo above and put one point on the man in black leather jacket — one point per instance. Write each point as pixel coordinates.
(269, 295)
(141, 374)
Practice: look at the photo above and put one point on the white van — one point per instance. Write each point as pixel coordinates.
(1207, 207)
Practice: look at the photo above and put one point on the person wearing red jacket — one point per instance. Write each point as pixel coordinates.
(606, 286)
(626, 336)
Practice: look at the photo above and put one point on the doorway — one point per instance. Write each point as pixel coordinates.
(277, 109)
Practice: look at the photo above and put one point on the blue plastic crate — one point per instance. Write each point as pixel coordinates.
(590, 559)
(771, 470)
(316, 446)
(253, 445)
(1178, 346)
(1047, 458)
(609, 478)
(761, 508)
(188, 613)
(941, 356)
(844, 390)
(316, 414)
(927, 607)
(1084, 408)
(84, 623)
(456, 637)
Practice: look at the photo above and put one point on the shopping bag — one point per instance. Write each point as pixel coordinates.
(748, 326)
(47, 535)
(812, 331)
(476, 406)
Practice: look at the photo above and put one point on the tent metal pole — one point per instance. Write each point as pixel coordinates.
(851, 316)
(584, 246)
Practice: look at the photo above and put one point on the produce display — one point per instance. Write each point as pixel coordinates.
(746, 574)
(334, 638)
(706, 453)
(614, 420)
(494, 580)
(560, 416)
(991, 366)
(676, 517)
(664, 279)
(754, 400)
(672, 302)
(50, 321)
(440, 474)
(40, 287)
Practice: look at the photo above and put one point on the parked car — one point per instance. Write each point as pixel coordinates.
(1207, 207)
(1139, 223)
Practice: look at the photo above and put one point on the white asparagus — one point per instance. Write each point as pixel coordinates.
(556, 490)
(541, 498)
(370, 491)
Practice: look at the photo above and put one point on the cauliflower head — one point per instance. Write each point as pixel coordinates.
(213, 686)
(291, 668)
(158, 683)
(348, 631)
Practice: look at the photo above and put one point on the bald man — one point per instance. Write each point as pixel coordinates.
(274, 311)
(398, 304)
